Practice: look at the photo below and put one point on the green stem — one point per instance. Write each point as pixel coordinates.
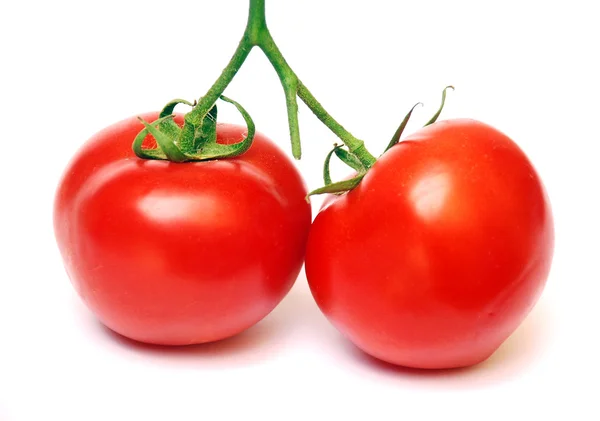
(206, 103)
(289, 82)
(356, 146)
(257, 34)
(240, 55)
(257, 21)
(255, 26)
(294, 87)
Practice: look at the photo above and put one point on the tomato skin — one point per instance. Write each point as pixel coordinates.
(178, 254)
(439, 253)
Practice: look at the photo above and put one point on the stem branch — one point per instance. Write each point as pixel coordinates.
(294, 87)
(355, 145)
(257, 34)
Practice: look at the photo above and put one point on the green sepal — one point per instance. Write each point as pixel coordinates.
(439, 111)
(396, 138)
(326, 171)
(139, 140)
(207, 133)
(170, 107)
(340, 187)
(187, 134)
(346, 157)
(169, 139)
(349, 159)
(165, 143)
(169, 127)
(146, 153)
(215, 150)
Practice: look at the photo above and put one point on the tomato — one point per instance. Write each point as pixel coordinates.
(177, 254)
(439, 253)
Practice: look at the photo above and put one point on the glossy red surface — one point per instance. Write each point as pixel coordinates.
(440, 252)
(179, 254)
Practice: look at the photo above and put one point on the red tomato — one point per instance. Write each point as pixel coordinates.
(439, 253)
(179, 254)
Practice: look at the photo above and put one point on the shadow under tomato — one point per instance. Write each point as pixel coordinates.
(250, 343)
(513, 357)
(256, 344)
(296, 319)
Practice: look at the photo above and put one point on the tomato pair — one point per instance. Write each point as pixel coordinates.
(432, 261)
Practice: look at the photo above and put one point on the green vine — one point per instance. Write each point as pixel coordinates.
(196, 139)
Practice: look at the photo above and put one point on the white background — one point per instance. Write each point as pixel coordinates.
(70, 68)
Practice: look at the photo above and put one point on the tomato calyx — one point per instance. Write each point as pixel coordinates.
(340, 187)
(351, 160)
(196, 140)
